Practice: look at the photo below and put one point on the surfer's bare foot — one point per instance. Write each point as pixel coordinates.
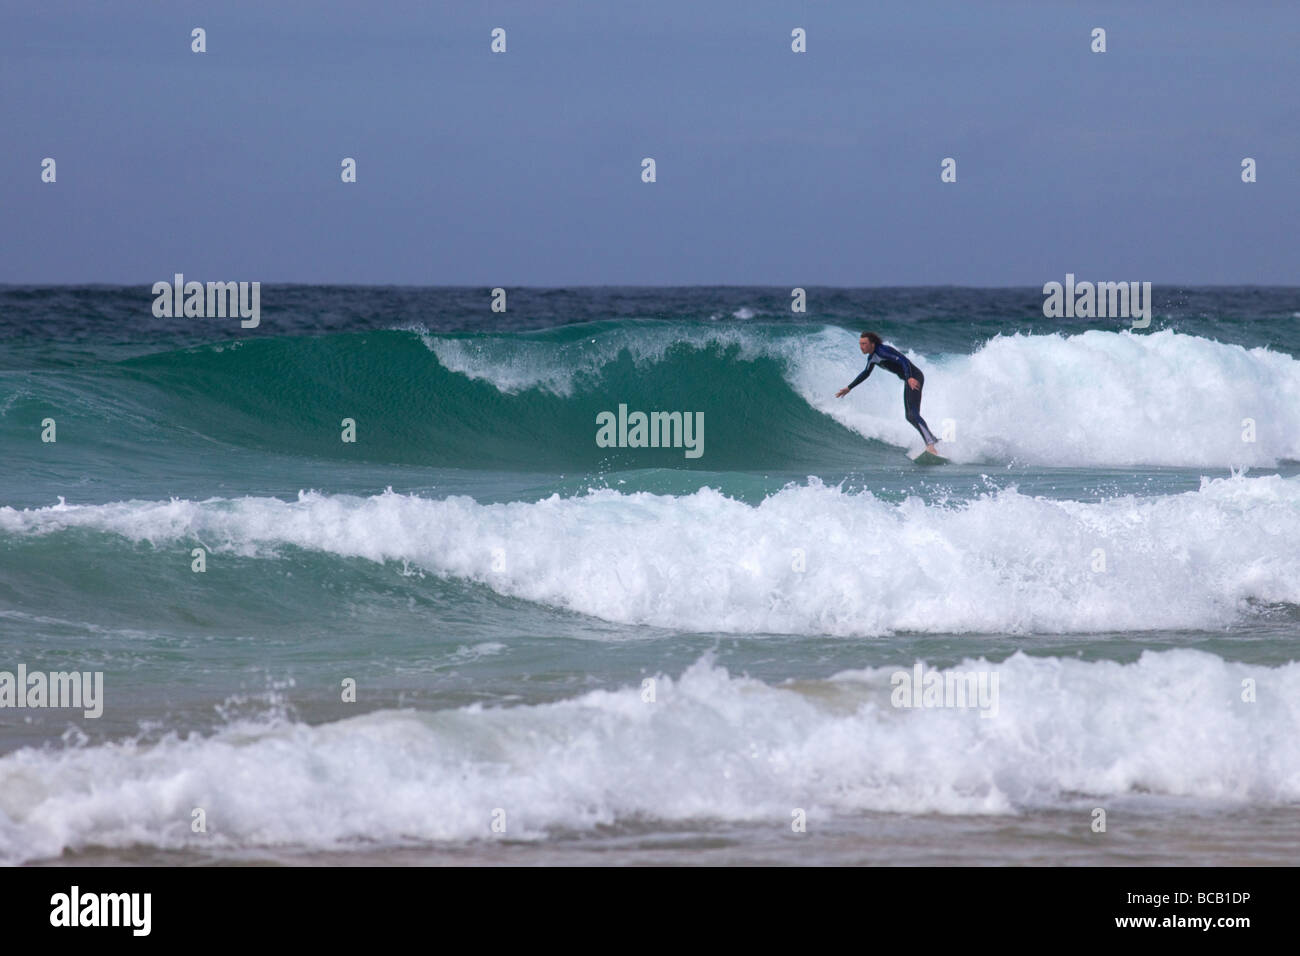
(932, 450)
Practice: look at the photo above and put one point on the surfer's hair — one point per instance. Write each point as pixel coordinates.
(875, 339)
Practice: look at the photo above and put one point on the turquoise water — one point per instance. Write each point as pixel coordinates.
(1111, 540)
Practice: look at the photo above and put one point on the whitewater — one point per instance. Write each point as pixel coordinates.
(375, 651)
(810, 559)
(1096, 398)
(712, 745)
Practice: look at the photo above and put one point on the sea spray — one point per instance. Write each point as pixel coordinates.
(1003, 562)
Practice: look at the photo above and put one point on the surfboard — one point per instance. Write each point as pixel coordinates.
(923, 457)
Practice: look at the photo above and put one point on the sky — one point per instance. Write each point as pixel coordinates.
(773, 167)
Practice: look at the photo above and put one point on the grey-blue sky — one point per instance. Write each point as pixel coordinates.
(775, 168)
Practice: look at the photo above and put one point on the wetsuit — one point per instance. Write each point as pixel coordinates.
(895, 361)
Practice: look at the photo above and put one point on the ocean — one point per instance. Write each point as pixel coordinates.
(475, 634)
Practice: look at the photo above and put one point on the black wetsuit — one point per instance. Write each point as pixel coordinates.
(895, 361)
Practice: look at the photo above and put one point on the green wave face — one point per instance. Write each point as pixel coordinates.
(291, 396)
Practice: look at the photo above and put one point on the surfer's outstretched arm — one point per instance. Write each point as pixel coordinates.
(855, 383)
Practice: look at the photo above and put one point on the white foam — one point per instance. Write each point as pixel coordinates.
(710, 747)
(1003, 562)
(514, 363)
(1094, 399)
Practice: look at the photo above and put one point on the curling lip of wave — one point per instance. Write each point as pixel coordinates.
(514, 363)
(807, 560)
(1096, 398)
(528, 401)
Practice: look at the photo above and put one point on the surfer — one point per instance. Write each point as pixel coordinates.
(895, 361)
